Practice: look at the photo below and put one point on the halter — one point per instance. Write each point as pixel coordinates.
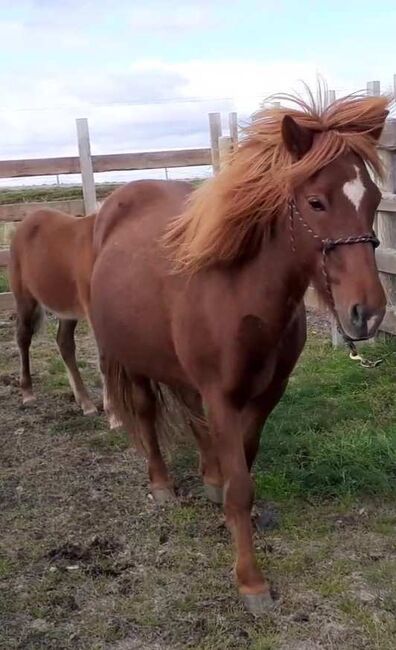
(327, 245)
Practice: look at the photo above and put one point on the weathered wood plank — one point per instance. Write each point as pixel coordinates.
(17, 211)
(106, 163)
(312, 301)
(233, 124)
(388, 202)
(215, 134)
(7, 301)
(4, 257)
(39, 167)
(388, 135)
(386, 260)
(225, 150)
(389, 323)
(152, 160)
(87, 175)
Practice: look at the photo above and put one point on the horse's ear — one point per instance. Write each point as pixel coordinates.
(376, 133)
(298, 139)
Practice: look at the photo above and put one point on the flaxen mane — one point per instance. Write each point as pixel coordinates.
(257, 184)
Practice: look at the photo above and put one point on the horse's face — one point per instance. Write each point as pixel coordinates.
(338, 202)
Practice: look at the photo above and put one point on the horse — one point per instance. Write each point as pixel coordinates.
(50, 264)
(198, 295)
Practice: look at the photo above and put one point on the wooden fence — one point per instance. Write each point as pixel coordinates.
(216, 156)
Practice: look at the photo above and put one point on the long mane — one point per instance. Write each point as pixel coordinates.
(222, 214)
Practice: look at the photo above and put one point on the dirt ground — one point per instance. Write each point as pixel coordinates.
(88, 561)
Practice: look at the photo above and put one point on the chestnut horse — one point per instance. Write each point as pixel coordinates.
(50, 267)
(202, 291)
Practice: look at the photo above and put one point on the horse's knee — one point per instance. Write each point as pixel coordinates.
(238, 494)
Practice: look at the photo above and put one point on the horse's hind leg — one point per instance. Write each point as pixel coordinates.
(114, 421)
(67, 348)
(145, 407)
(28, 321)
(209, 462)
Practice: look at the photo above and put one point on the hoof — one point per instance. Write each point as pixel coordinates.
(214, 493)
(28, 398)
(258, 604)
(114, 422)
(90, 409)
(163, 495)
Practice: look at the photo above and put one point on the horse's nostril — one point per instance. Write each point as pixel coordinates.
(358, 315)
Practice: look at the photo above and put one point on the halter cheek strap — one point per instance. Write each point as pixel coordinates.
(325, 246)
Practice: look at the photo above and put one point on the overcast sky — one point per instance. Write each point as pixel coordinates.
(146, 72)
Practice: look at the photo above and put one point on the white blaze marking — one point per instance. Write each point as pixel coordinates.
(354, 190)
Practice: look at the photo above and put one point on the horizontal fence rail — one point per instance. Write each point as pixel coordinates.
(217, 156)
(113, 162)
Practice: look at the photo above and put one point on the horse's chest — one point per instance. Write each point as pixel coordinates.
(250, 359)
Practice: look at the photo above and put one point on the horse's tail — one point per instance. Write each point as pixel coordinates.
(173, 416)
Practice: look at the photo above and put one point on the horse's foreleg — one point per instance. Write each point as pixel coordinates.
(67, 348)
(229, 426)
(264, 404)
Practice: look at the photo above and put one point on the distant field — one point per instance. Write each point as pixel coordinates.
(52, 193)
(57, 192)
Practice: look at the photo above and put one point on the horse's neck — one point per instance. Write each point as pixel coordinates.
(271, 285)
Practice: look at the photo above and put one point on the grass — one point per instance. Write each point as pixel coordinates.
(331, 436)
(52, 193)
(58, 192)
(4, 286)
(88, 561)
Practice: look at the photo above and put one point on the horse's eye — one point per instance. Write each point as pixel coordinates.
(316, 205)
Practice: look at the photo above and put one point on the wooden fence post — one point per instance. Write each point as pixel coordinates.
(233, 124)
(373, 88)
(225, 150)
(87, 176)
(336, 337)
(215, 134)
(331, 96)
(386, 221)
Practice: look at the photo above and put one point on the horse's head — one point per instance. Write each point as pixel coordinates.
(332, 215)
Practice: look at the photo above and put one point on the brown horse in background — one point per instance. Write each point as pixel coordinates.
(203, 290)
(50, 268)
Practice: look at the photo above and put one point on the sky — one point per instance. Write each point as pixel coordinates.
(147, 72)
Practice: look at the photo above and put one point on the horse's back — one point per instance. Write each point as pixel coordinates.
(50, 254)
(140, 207)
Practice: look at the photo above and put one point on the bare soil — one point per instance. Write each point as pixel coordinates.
(88, 561)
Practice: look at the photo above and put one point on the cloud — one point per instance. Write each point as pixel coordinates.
(151, 104)
(186, 16)
(138, 85)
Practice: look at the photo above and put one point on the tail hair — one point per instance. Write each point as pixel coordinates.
(173, 417)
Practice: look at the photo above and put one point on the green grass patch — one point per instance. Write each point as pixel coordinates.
(334, 433)
(115, 440)
(4, 286)
(52, 193)
(46, 193)
(6, 567)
